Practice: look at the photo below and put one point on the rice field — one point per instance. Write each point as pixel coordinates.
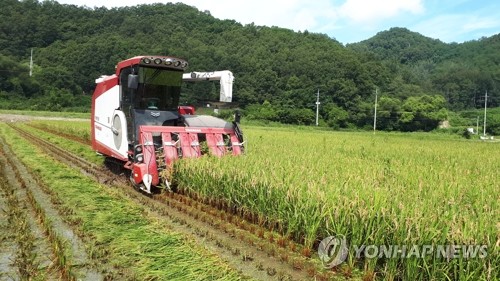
(383, 189)
(373, 189)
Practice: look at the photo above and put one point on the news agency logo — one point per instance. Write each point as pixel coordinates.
(445, 252)
(333, 250)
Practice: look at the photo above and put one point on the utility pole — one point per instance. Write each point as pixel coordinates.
(317, 107)
(375, 115)
(477, 125)
(485, 104)
(31, 63)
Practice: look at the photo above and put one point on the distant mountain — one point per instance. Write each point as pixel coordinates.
(483, 53)
(409, 47)
(462, 73)
(403, 45)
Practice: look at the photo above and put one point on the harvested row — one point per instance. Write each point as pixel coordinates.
(17, 252)
(227, 235)
(40, 251)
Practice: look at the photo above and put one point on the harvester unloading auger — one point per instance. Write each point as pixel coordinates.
(137, 121)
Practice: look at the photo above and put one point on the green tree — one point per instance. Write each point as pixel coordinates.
(265, 111)
(336, 117)
(423, 113)
(388, 113)
(300, 116)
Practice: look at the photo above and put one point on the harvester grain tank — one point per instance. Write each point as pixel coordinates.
(137, 121)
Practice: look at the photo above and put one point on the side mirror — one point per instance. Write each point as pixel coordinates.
(133, 81)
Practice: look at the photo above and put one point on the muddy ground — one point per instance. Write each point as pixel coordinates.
(36, 244)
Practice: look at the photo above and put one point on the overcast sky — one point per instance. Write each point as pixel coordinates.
(350, 21)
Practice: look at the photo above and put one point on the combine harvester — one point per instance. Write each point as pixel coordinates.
(137, 121)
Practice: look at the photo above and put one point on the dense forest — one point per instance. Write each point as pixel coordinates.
(419, 81)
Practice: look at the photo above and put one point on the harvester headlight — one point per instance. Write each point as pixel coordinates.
(168, 61)
(139, 158)
(177, 63)
(138, 149)
(184, 64)
(157, 61)
(146, 60)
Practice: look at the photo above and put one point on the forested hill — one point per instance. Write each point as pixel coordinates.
(462, 73)
(278, 71)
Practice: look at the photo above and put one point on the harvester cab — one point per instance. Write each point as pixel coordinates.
(137, 121)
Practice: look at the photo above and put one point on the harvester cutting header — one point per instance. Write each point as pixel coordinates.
(137, 121)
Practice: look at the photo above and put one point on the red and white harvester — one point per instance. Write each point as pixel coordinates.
(137, 121)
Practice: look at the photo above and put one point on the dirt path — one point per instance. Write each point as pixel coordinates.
(10, 118)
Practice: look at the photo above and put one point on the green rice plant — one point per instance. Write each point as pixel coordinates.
(70, 128)
(78, 129)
